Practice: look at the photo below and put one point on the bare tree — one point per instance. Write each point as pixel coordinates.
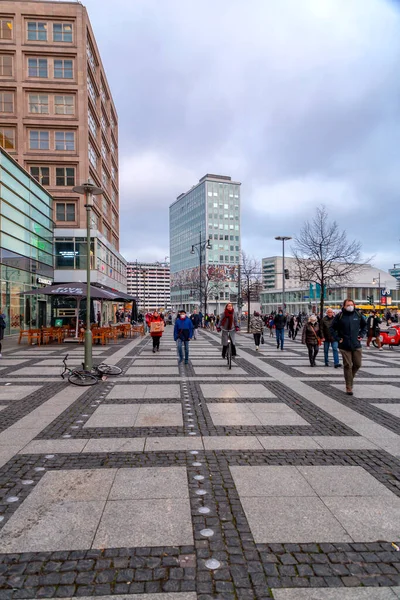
(324, 255)
(250, 281)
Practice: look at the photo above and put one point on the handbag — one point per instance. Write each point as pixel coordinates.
(319, 341)
(262, 339)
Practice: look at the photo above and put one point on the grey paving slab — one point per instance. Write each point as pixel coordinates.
(222, 370)
(362, 390)
(51, 527)
(18, 437)
(75, 485)
(157, 444)
(345, 442)
(235, 390)
(368, 518)
(126, 392)
(7, 452)
(274, 413)
(253, 414)
(318, 370)
(161, 596)
(321, 593)
(12, 362)
(36, 370)
(113, 415)
(266, 481)
(232, 414)
(115, 445)
(288, 442)
(152, 370)
(151, 482)
(343, 481)
(382, 371)
(240, 442)
(17, 392)
(126, 524)
(162, 391)
(159, 415)
(165, 362)
(53, 446)
(292, 520)
(393, 409)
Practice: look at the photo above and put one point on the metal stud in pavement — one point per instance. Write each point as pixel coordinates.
(203, 510)
(212, 564)
(207, 532)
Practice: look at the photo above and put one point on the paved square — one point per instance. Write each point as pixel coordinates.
(248, 413)
(137, 391)
(393, 409)
(383, 371)
(363, 390)
(17, 392)
(222, 370)
(136, 415)
(236, 390)
(152, 370)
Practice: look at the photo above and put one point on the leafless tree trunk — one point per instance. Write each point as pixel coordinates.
(324, 255)
(250, 275)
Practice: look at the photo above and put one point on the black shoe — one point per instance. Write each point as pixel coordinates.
(154, 350)
(349, 393)
(277, 346)
(326, 364)
(337, 366)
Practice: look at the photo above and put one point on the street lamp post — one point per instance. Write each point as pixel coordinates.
(89, 190)
(283, 239)
(200, 246)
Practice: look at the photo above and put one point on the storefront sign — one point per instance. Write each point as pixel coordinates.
(44, 281)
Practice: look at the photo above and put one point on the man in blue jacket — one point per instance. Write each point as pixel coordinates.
(183, 333)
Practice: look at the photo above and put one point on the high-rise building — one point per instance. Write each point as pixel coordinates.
(150, 284)
(58, 120)
(205, 226)
(272, 272)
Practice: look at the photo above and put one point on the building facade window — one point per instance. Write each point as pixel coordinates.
(39, 140)
(114, 196)
(63, 69)
(6, 102)
(90, 56)
(105, 178)
(113, 172)
(65, 176)
(103, 150)
(91, 90)
(7, 138)
(112, 148)
(92, 123)
(39, 104)
(64, 105)
(65, 140)
(37, 31)
(6, 65)
(37, 67)
(103, 123)
(92, 156)
(6, 29)
(41, 174)
(65, 211)
(62, 32)
(102, 93)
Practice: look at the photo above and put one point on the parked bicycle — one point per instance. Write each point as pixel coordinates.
(83, 377)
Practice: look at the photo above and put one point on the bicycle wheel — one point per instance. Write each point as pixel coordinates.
(82, 378)
(229, 355)
(108, 369)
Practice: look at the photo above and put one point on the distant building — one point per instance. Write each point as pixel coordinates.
(26, 246)
(272, 272)
(209, 213)
(150, 283)
(395, 272)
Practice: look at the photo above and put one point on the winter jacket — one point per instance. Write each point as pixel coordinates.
(256, 325)
(224, 323)
(195, 318)
(326, 328)
(373, 323)
(279, 321)
(311, 334)
(347, 327)
(183, 329)
(2, 325)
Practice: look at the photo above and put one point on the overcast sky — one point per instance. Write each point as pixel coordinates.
(298, 100)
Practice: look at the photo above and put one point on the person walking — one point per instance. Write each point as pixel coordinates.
(348, 328)
(196, 322)
(212, 322)
(373, 330)
(2, 328)
(156, 323)
(280, 322)
(228, 323)
(291, 327)
(311, 337)
(329, 340)
(256, 328)
(183, 333)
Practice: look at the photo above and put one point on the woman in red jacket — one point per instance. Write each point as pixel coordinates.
(157, 329)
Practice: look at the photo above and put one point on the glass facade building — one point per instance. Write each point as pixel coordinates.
(26, 246)
(210, 211)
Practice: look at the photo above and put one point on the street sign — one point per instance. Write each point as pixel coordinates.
(306, 297)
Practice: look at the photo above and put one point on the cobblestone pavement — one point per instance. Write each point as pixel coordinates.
(192, 482)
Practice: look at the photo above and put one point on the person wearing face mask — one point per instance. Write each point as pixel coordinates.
(183, 333)
(348, 328)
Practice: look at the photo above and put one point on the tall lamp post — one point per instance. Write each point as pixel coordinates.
(200, 246)
(283, 239)
(89, 190)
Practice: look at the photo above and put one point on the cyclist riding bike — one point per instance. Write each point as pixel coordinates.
(228, 323)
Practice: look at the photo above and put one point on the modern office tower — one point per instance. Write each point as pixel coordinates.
(150, 283)
(26, 246)
(272, 272)
(204, 225)
(58, 120)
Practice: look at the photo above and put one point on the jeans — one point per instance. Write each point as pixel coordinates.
(181, 343)
(334, 350)
(351, 364)
(280, 337)
(312, 352)
(195, 333)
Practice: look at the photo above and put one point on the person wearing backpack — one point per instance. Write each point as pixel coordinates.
(183, 333)
(348, 328)
(2, 327)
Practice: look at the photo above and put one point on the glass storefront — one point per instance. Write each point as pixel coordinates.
(26, 246)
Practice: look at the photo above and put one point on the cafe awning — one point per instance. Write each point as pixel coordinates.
(77, 290)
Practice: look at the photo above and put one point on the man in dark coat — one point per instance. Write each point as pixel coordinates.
(280, 322)
(326, 323)
(373, 323)
(196, 322)
(348, 328)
